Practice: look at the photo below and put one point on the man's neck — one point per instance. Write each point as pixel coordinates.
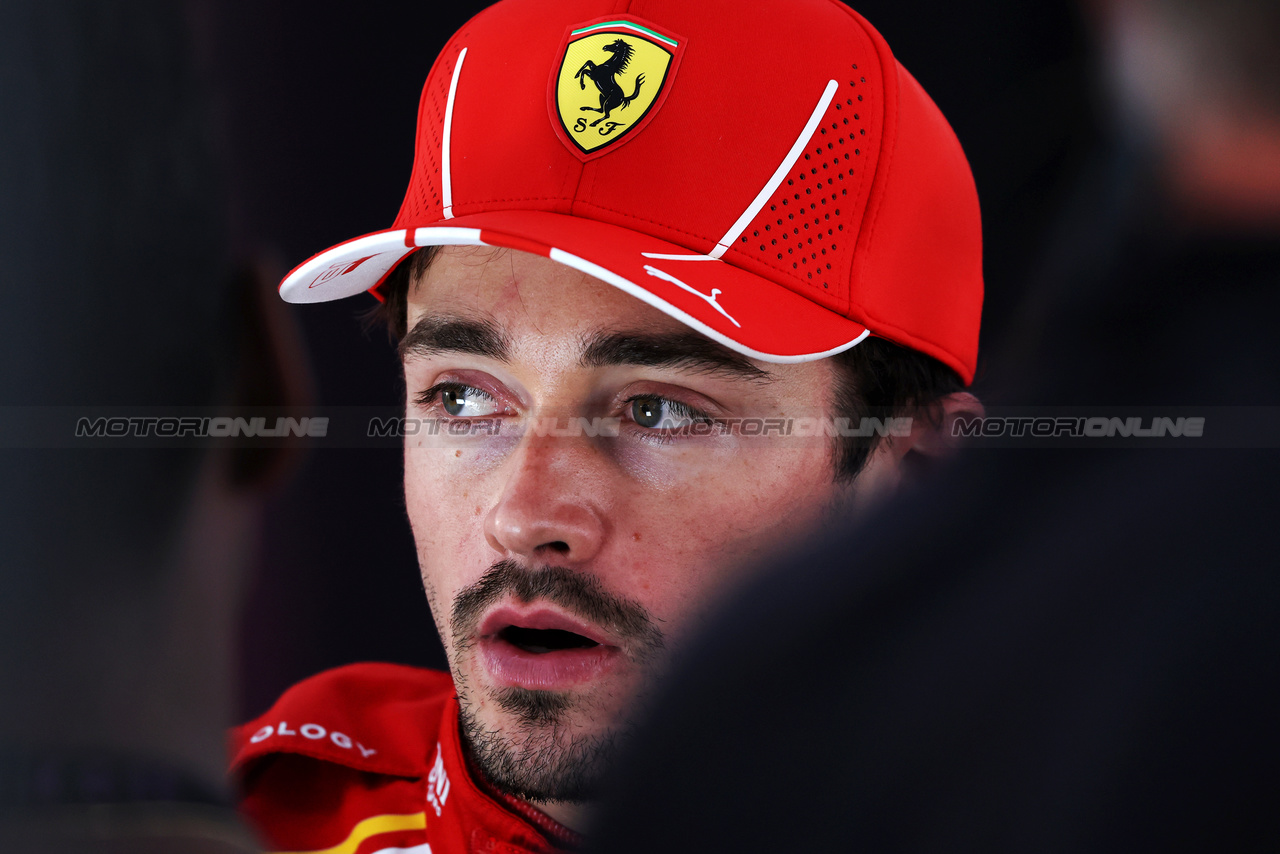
(560, 821)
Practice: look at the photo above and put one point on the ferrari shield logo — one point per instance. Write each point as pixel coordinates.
(612, 78)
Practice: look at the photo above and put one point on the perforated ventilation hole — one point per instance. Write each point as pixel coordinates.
(817, 191)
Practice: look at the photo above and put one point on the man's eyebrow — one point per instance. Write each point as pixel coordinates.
(444, 334)
(686, 350)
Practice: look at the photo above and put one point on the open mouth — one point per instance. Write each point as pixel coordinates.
(540, 641)
(544, 649)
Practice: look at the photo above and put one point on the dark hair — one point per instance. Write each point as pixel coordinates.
(881, 379)
(393, 311)
(875, 379)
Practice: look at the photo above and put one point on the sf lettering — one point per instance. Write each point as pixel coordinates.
(607, 128)
(314, 732)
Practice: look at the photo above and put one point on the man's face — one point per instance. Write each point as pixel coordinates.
(562, 569)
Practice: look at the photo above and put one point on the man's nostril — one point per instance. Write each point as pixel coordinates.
(559, 546)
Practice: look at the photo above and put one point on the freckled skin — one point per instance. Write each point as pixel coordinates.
(704, 509)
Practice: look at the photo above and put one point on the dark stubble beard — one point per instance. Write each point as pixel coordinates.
(543, 758)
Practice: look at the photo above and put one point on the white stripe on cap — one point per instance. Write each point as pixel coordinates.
(446, 178)
(441, 235)
(784, 167)
(797, 148)
(612, 278)
(451, 236)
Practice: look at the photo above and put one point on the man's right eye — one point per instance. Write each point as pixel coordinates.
(460, 401)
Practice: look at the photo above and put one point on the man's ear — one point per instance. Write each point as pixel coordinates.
(932, 433)
(912, 454)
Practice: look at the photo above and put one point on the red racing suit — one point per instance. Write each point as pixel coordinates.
(367, 758)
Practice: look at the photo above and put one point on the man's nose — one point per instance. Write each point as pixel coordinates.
(550, 505)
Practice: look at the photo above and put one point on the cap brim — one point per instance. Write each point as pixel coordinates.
(745, 312)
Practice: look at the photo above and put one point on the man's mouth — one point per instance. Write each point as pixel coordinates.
(541, 649)
(539, 641)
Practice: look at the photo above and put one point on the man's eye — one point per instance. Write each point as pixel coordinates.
(662, 414)
(460, 401)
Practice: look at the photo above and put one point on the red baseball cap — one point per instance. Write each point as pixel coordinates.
(765, 172)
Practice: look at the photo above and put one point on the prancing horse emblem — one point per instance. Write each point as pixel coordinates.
(629, 64)
(605, 76)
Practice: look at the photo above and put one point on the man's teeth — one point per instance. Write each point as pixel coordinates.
(544, 640)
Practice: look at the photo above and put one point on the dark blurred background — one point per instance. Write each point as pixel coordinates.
(317, 105)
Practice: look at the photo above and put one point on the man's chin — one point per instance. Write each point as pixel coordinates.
(539, 745)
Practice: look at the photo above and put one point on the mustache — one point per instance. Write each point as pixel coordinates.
(579, 593)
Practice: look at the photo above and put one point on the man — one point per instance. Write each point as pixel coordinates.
(652, 270)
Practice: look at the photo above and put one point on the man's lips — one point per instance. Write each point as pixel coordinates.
(543, 619)
(542, 649)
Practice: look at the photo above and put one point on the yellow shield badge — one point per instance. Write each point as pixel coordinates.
(613, 76)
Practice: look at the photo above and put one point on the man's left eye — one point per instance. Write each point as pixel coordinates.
(658, 413)
(461, 401)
